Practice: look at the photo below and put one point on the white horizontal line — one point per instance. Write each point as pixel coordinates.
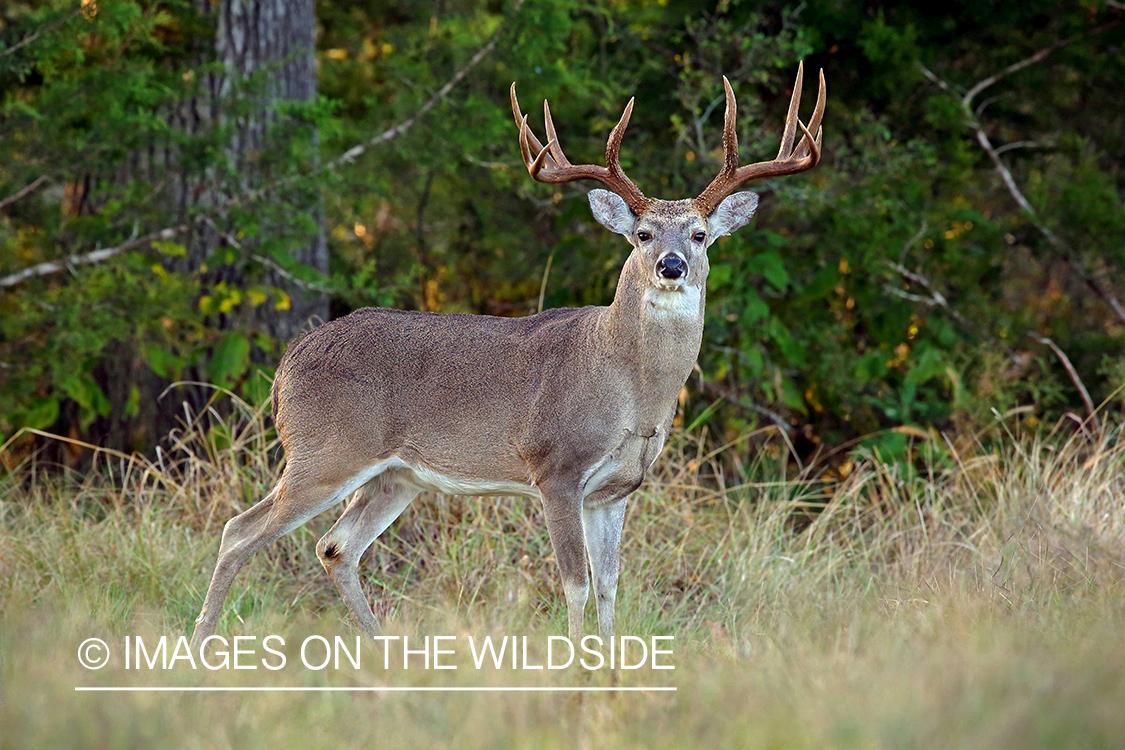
(395, 689)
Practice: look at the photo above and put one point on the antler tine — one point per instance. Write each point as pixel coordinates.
(790, 132)
(788, 161)
(526, 137)
(613, 143)
(730, 132)
(809, 144)
(549, 163)
(818, 113)
(534, 167)
(619, 182)
(521, 120)
(552, 137)
(821, 98)
(525, 147)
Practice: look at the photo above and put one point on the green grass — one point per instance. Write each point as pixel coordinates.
(968, 597)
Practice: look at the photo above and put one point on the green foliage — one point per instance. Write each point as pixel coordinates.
(895, 285)
(100, 119)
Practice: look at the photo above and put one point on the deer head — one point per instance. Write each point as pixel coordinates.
(672, 237)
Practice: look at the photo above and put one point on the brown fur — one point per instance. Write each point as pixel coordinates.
(571, 406)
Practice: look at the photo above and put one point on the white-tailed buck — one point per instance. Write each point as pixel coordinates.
(568, 406)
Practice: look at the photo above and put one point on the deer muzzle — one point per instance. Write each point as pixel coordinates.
(672, 267)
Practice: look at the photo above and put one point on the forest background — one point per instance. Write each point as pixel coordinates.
(185, 184)
(892, 513)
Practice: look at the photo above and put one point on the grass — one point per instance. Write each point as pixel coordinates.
(961, 597)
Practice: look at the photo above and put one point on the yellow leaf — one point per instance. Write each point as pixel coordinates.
(814, 402)
(913, 431)
(282, 303)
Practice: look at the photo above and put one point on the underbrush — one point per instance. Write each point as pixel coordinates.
(967, 596)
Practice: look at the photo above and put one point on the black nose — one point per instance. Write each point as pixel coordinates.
(671, 267)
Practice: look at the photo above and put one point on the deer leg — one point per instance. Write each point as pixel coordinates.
(243, 535)
(375, 507)
(562, 512)
(602, 524)
(286, 507)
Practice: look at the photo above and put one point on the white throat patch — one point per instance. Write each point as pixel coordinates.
(682, 302)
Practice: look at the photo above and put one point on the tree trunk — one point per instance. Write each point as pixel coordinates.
(272, 40)
(277, 38)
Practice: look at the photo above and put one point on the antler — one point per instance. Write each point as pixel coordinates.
(788, 161)
(549, 164)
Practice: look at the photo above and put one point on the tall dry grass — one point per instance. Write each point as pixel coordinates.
(967, 595)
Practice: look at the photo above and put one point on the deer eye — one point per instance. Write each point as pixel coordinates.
(644, 236)
(699, 236)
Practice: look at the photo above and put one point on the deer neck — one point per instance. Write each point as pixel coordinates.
(658, 332)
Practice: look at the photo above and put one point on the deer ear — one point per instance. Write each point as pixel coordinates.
(611, 212)
(734, 212)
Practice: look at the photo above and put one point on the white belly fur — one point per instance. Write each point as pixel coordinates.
(429, 480)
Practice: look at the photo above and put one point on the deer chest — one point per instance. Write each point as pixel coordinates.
(622, 470)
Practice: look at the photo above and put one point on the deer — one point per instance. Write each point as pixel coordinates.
(570, 407)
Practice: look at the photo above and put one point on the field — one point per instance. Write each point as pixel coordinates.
(969, 595)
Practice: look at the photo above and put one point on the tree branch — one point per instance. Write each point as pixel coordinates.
(355, 151)
(734, 398)
(265, 259)
(24, 192)
(917, 236)
(349, 156)
(936, 298)
(967, 100)
(94, 256)
(1005, 174)
(32, 37)
(1021, 144)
